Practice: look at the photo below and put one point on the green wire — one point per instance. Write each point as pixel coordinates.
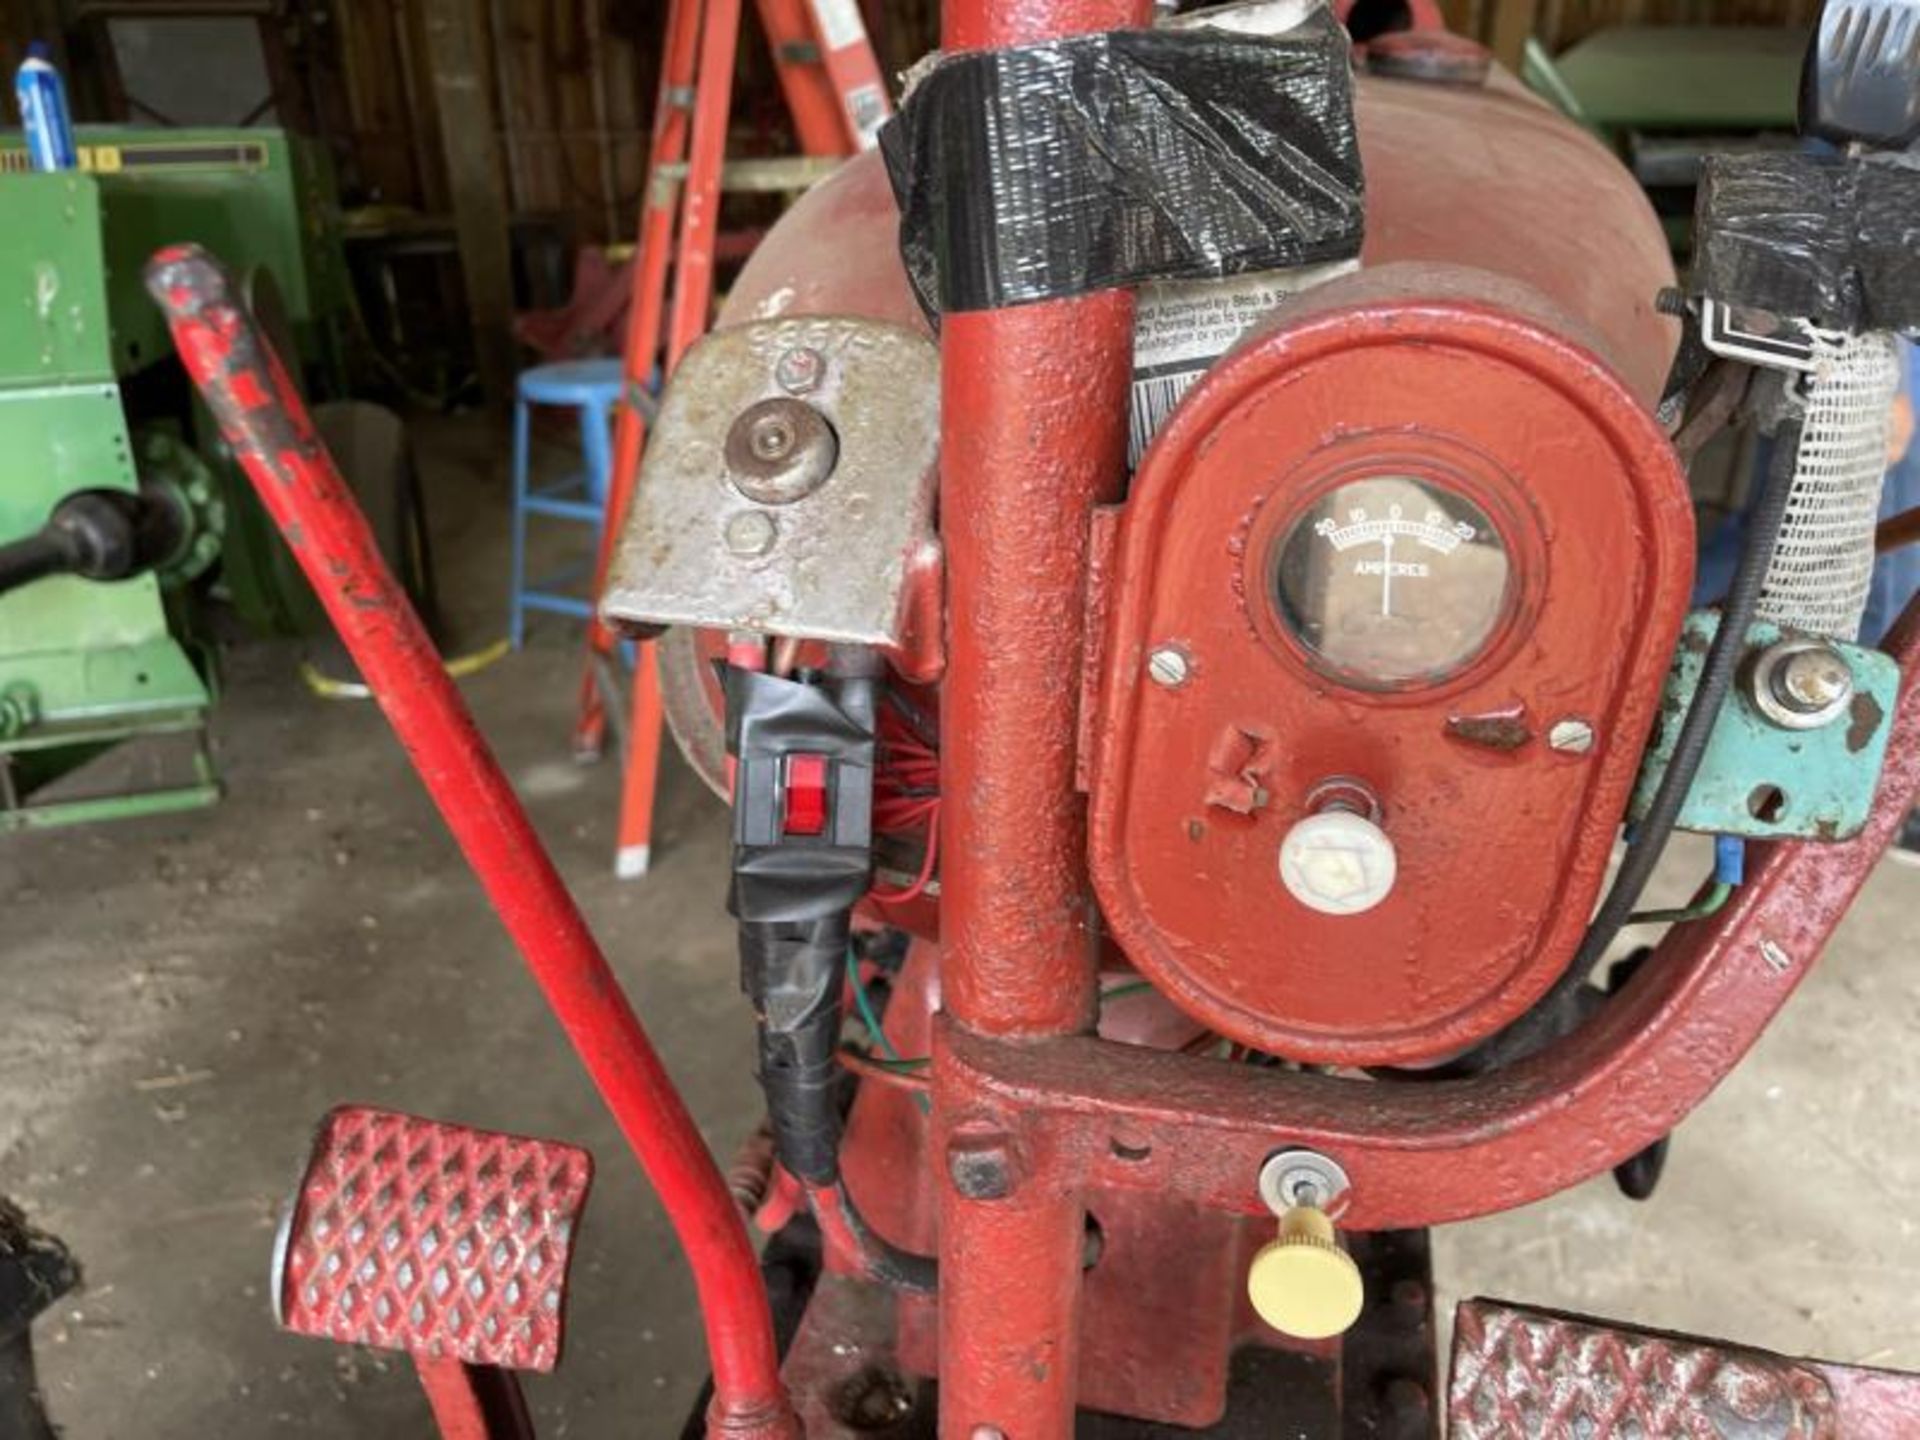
(894, 1060)
(1710, 903)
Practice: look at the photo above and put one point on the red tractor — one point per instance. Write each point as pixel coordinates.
(1183, 568)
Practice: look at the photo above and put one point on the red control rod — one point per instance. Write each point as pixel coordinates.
(262, 418)
(1033, 420)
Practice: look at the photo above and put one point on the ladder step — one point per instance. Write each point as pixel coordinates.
(770, 175)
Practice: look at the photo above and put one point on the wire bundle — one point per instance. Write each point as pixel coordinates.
(906, 794)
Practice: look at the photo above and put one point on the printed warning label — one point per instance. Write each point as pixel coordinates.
(1181, 327)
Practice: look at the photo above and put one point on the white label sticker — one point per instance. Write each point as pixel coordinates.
(1180, 327)
(840, 23)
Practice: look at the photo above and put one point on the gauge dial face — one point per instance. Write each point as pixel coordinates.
(1391, 580)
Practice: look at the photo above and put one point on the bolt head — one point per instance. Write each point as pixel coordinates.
(771, 437)
(751, 534)
(1814, 681)
(981, 1164)
(1168, 666)
(1800, 683)
(800, 371)
(1571, 736)
(779, 451)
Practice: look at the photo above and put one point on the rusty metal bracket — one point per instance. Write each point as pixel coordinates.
(788, 485)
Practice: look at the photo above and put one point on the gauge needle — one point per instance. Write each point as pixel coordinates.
(1386, 575)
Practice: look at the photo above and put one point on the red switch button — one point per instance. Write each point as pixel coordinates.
(806, 795)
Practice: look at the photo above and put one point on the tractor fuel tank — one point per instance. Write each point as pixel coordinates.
(1483, 175)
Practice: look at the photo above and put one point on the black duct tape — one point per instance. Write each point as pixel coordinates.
(1825, 238)
(1108, 160)
(793, 974)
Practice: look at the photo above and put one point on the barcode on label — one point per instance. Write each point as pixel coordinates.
(1154, 397)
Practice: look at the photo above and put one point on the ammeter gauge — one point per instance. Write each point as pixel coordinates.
(1389, 581)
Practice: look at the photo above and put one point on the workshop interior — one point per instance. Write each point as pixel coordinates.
(1165, 699)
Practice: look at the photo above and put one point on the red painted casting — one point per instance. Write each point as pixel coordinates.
(1467, 386)
(1429, 1153)
(263, 420)
(434, 1239)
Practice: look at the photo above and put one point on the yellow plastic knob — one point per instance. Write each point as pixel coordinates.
(1303, 1284)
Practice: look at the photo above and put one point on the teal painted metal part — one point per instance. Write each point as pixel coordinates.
(1760, 781)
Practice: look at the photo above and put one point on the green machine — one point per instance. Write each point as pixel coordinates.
(107, 470)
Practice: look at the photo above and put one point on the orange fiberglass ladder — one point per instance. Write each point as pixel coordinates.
(838, 101)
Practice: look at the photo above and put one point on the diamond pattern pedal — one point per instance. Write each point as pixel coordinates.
(435, 1239)
(1549, 1376)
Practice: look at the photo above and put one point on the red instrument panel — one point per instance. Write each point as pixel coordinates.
(1390, 609)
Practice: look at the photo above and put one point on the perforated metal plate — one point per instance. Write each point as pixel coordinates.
(434, 1239)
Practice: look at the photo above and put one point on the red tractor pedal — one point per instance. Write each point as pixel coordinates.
(1523, 1371)
(449, 1243)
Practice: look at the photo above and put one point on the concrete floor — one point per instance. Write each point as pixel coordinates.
(187, 995)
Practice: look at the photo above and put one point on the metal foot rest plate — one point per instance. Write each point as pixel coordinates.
(1535, 1373)
(434, 1239)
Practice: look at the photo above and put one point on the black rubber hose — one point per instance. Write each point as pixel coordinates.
(97, 535)
(1769, 513)
(36, 556)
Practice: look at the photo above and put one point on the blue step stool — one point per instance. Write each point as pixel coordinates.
(591, 387)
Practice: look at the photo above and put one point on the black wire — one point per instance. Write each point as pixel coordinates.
(1649, 842)
(884, 1261)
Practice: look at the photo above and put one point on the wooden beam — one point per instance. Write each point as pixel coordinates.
(463, 94)
(1509, 25)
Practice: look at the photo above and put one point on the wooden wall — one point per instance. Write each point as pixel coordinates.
(573, 90)
(573, 82)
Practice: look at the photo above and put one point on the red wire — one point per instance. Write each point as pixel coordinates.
(907, 797)
(920, 881)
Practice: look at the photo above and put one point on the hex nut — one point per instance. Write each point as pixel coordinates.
(751, 534)
(981, 1164)
(800, 371)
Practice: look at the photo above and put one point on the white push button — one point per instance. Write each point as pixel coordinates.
(1338, 863)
